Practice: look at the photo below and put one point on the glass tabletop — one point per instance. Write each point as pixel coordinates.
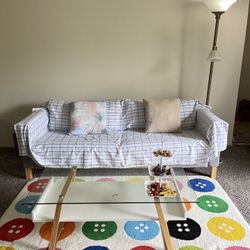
(73, 187)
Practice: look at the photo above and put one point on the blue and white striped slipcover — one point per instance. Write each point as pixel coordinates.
(44, 137)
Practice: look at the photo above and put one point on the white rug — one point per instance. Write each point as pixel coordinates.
(213, 224)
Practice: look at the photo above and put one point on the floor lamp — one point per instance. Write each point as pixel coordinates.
(217, 7)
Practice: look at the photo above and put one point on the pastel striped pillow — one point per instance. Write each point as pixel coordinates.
(87, 117)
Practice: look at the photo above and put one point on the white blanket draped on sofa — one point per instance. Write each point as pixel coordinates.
(44, 137)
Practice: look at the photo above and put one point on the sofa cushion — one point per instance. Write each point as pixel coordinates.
(87, 117)
(120, 149)
(188, 148)
(59, 115)
(114, 115)
(133, 114)
(61, 149)
(188, 113)
(162, 116)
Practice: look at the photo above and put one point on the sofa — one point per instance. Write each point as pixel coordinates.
(44, 138)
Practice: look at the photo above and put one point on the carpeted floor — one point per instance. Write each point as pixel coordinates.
(233, 175)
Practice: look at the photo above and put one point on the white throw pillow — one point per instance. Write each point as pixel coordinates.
(162, 116)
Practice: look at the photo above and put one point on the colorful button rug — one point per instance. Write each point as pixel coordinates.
(212, 224)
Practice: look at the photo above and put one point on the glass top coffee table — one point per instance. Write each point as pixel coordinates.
(74, 198)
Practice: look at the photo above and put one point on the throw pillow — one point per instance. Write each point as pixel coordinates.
(162, 115)
(87, 118)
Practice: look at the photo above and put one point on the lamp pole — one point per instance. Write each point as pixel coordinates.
(214, 48)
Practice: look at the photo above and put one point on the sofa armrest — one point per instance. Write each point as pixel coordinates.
(30, 129)
(213, 128)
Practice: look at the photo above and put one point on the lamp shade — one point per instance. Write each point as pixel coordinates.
(214, 56)
(219, 5)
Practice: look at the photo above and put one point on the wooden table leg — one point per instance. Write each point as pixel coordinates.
(61, 225)
(163, 223)
(55, 228)
(57, 225)
(55, 235)
(164, 227)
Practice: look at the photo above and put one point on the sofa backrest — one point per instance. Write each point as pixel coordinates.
(59, 115)
(188, 113)
(121, 114)
(133, 114)
(134, 117)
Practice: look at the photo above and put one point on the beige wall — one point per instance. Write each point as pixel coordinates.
(244, 89)
(111, 49)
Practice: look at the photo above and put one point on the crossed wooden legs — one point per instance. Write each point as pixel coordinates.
(164, 227)
(57, 225)
(163, 223)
